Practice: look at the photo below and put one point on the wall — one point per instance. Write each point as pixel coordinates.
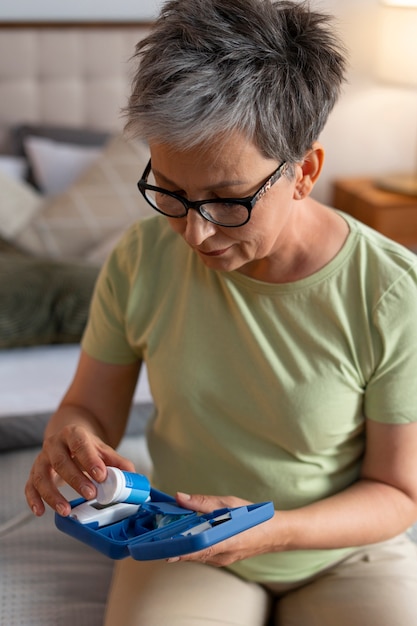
(38, 10)
(373, 129)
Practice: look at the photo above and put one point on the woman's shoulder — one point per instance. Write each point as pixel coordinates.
(375, 250)
(152, 228)
(151, 237)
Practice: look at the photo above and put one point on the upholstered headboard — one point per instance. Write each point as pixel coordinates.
(75, 75)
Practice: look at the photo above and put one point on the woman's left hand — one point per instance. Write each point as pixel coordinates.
(252, 542)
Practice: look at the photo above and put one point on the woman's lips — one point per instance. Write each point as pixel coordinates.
(214, 252)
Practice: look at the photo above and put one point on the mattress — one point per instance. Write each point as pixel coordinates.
(33, 381)
(47, 577)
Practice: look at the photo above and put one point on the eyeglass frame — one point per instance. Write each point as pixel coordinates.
(248, 201)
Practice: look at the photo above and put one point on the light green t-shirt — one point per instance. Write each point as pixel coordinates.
(260, 389)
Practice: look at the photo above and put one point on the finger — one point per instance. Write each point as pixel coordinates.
(64, 457)
(33, 498)
(42, 484)
(197, 502)
(207, 504)
(73, 455)
(208, 556)
(93, 455)
(42, 487)
(112, 458)
(34, 501)
(87, 451)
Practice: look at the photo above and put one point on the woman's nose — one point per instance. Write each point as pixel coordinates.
(197, 229)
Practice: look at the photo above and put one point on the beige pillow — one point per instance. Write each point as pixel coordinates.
(19, 203)
(57, 165)
(101, 203)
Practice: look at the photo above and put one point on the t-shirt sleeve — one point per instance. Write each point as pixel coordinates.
(105, 337)
(391, 394)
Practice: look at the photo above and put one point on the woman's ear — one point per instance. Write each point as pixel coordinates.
(310, 169)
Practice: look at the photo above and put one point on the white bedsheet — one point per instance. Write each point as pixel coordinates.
(33, 380)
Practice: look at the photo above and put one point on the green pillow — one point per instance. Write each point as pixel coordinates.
(43, 301)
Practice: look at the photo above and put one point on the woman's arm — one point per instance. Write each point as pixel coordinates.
(81, 436)
(380, 505)
(383, 503)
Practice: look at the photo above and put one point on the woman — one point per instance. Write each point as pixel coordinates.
(279, 337)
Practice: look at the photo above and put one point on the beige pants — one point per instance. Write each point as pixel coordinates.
(376, 586)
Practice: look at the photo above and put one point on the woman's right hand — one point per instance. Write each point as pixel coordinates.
(73, 455)
(93, 411)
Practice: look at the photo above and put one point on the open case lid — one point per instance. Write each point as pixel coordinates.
(161, 529)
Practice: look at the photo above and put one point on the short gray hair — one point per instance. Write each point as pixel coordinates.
(270, 70)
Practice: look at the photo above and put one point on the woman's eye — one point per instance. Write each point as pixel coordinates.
(224, 205)
(176, 192)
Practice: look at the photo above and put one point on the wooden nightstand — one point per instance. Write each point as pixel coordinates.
(392, 214)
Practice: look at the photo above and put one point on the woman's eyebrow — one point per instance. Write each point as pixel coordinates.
(220, 185)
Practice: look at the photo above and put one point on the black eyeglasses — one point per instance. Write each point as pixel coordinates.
(227, 212)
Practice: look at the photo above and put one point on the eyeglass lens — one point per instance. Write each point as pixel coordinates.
(226, 213)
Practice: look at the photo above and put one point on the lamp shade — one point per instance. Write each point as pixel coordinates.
(396, 60)
(399, 3)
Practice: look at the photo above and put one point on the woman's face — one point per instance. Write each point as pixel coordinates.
(230, 169)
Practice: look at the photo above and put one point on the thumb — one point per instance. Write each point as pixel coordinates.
(198, 502)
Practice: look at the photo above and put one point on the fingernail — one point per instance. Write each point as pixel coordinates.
(183, 496)
(96, 472)
(87, 492)
(35, 511)
(60, 509)
(173, 559)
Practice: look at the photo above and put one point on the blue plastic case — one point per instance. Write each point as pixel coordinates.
(137, 536)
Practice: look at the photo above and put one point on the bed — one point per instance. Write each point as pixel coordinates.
(67, 192)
